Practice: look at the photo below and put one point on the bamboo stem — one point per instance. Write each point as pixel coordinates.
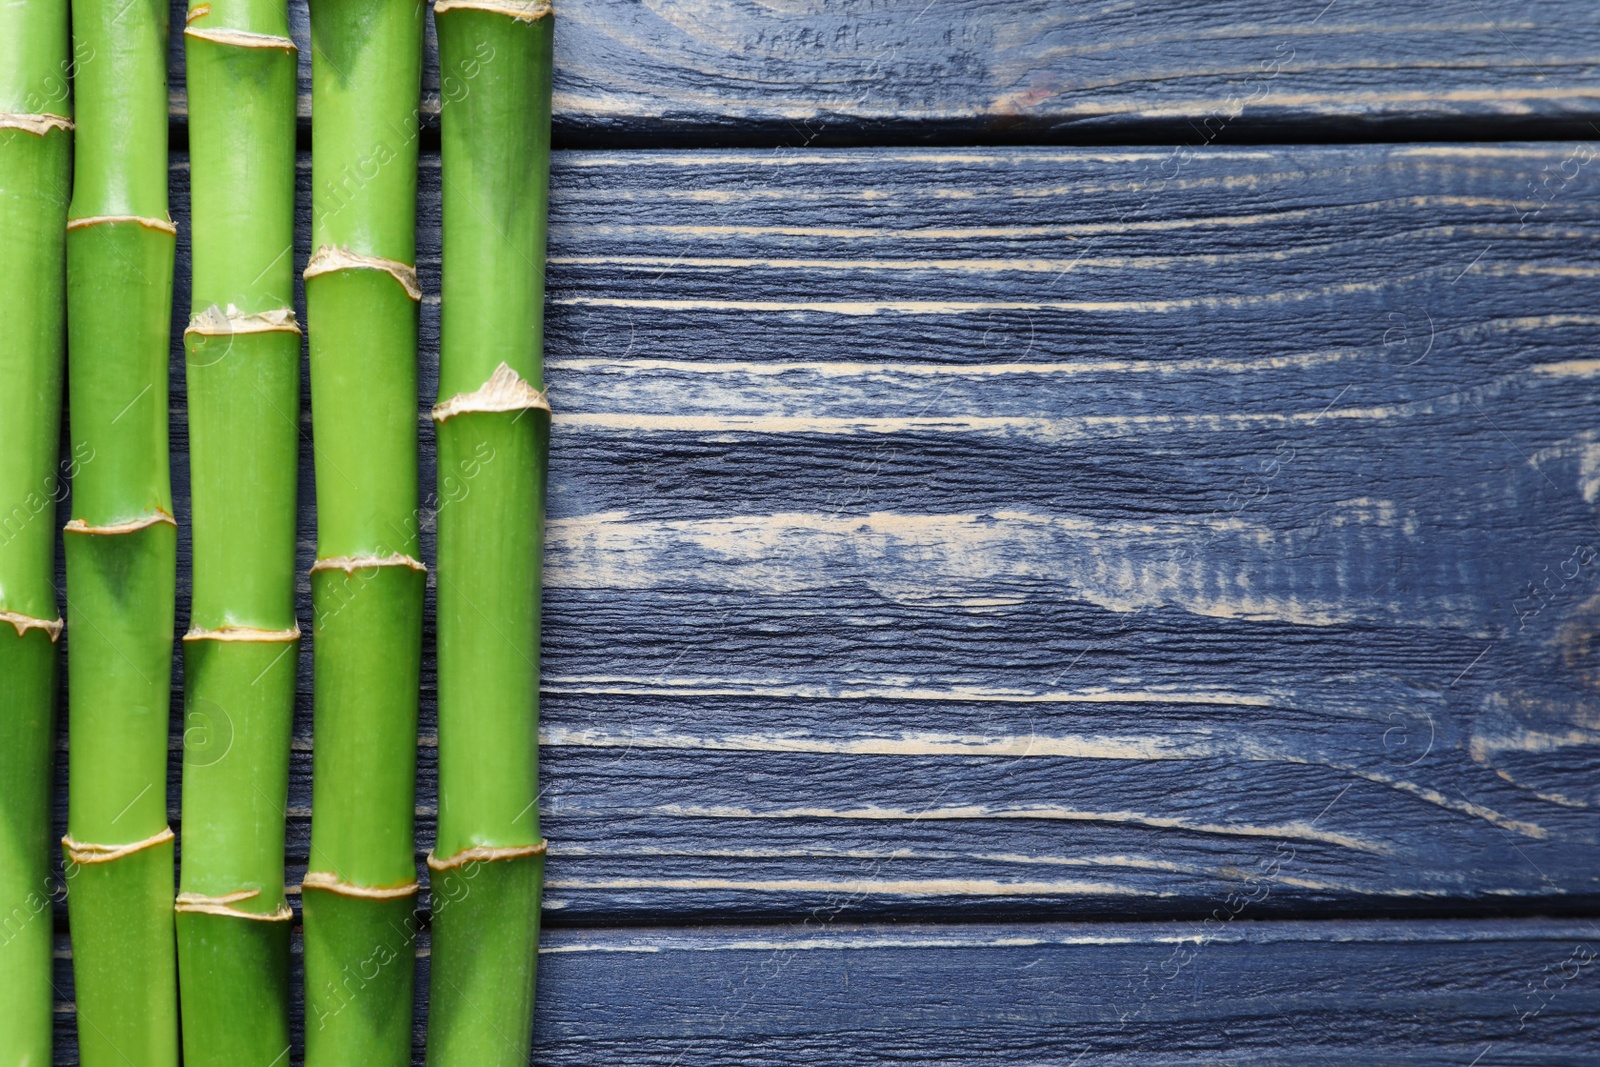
(243, 362)
(493, 432)
(367, 586)
(35, 146)
(121, 544)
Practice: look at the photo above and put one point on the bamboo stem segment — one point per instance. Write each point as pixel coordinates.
(367, 587)
(242, 353)
(121, 544)
(493, 425)
(35, 145)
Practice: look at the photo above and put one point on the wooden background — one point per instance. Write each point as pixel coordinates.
(1072, 533)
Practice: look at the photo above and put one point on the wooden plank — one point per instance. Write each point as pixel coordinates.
(752, 72)
(987, 533)
(1493, 993)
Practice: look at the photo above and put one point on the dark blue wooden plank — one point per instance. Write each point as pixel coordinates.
(760, 73)
(1229, 991)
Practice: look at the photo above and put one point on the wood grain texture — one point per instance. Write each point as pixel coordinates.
(801, 72)
(1492, 994)
(982, 533)
(1093, 525)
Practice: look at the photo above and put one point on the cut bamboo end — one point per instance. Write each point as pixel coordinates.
(351, 564)
(521, 10)
(200, 904)
(504, 391)
(34, 124)
(334, 884)
(23, 623)
(243, 633)
(485, 853)
(79, 526)
(163, 225)
(329, 260)
(82, 852)
(237, 38)
(215, 321)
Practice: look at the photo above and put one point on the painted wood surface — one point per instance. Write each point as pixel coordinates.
(801, 72)
(1492, 994)
(981, 533)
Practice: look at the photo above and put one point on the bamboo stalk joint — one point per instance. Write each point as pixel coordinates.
(155, 518)
(165, 225)
(84, 852)
(351, 564)
(521, 10)
(39, 124)
(239, 38)
(200, 904)
(23, 623)
(486, 853)
(244, 633)
(504, 391)
(221, 322)
(334, 884)
(329, 260)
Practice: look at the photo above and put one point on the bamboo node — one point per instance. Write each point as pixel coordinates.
(243, 633)
(158, 517)
(504, 391)
(521, 10)
(24, 623)
(35, 124)
(486, 853)
(200, 904)
(216, 321)
(237, 38)
(328, 260)
(83, 852)
(164, 225)
(334, 884)
(351, 564)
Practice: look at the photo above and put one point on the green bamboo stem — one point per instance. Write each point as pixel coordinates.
(35, 145)
(121, 542)
(243, 362)
(367, 584)
(493, 431)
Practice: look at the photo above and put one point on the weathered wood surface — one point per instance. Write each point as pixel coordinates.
(1071, 530)
(1490, 994)
(974, 533)
(800, 72)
